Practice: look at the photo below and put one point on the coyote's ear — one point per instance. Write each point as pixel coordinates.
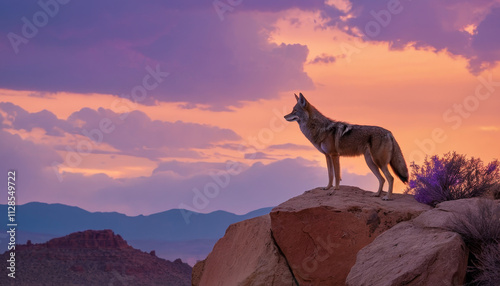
(296, 97)
(302, 100)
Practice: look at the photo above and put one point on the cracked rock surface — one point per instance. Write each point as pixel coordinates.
(419, 252)
(320, 235)
(246, 255)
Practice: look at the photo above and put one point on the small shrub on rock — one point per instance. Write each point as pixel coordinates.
(452, 177)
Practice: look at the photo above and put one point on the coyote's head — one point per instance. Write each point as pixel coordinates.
(299, 112)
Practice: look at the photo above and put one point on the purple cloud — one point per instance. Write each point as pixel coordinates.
(21, 119)
(290, 146)
(187, 169)
(323, 58)
(427, 24)
(486, 41)
(257, 156)
(280, 5)
(32, 165)
(135, 130)
(127, 48)
(97, 47)
(132, 133)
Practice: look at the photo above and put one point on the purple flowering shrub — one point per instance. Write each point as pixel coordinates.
(452, 177)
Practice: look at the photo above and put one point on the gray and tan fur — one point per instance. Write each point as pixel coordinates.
(337, 138)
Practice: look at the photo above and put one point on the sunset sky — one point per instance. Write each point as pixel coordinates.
(143, 106)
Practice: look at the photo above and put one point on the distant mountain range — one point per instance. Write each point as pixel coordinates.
(172, 234)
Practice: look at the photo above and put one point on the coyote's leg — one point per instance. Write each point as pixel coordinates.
(336, 169)
(330, 172)
(376, 172)
(390, 180)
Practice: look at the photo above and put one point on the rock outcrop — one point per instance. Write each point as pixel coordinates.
(320, 235)
(246, 255)
(311, 239)
(90, 239)
(349, 238)
(410, 255)
(421, 252)
(92, 258)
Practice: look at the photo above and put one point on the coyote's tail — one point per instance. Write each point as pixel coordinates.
(398, 163)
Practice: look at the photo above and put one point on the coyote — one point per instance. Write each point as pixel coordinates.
(337, 138)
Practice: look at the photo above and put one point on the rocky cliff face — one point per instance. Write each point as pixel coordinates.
(92, 258)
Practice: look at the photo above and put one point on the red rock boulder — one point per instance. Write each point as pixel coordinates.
(246, 255)
(320, 235)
